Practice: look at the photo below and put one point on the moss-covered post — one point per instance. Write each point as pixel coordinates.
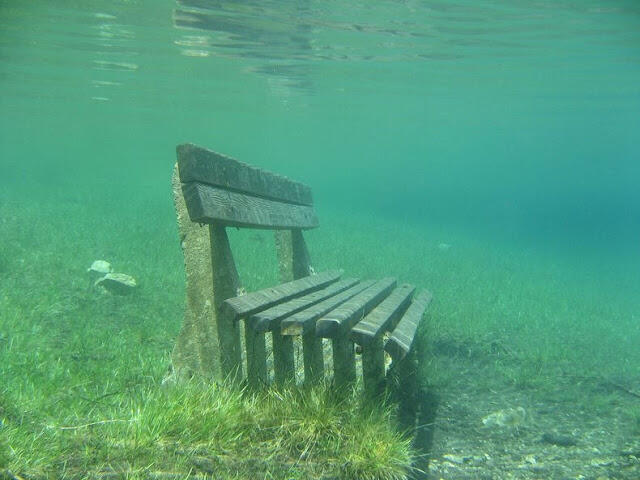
(196, 352)
(209, 343)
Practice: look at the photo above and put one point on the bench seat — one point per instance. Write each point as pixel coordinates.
(347, 312)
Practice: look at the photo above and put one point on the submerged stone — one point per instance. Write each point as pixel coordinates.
(99, 268)
(558, 440)
(512, 417)
(117, 283)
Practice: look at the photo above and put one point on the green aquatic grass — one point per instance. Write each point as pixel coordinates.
(633, 416)
(82, 371)
(212, 429)
(546, 308)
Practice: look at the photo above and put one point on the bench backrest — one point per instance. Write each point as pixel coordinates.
(209, 188)
(220, 189)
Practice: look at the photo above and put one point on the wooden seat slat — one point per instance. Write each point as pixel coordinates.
(402, 337)
(270, 319)
(339, 321)
(209, 204)
(304, 321)
(383, 317)
(201, 165)
(254, 302)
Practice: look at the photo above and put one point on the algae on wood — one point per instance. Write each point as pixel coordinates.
(196, 351)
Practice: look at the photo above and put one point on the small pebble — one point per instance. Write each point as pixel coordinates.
(117, 283)
(559, 440)
(457, 459)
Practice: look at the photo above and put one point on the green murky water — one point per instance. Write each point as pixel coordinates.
(485, 150)
(519, 116)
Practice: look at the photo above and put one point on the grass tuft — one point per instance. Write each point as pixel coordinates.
(375, 452)
(192, 414)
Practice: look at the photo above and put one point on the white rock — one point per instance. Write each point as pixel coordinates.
(444, 246)
(99, 268)
(118, 283)
(457, 459)
(511, 417)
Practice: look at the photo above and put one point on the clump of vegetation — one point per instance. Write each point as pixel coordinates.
(219, 429)
(633, 416)
(4, 452)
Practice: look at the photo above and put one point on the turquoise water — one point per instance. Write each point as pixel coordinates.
(505, 130)
(501, 115)
(513, 122)
(494, 111)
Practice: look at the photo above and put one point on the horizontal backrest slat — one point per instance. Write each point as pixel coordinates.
(207, 204)
(220, 189)
(197, 164)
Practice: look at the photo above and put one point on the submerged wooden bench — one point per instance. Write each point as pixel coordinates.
(378, 316)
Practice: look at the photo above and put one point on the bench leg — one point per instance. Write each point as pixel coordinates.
(197, 351)
(373, 368)
(293, 256)
(225, 285)
(406, 390)
(256, 355)
(416, 405)
(344, 362)
(283, 362)
(313, 358)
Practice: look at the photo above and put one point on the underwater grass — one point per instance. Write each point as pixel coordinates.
(82, 371)
(213, 429)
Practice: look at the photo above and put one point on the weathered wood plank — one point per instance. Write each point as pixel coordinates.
(405, 389)
(283, 361)
(225, 284)
(339, 321)
(373, 368)
(256, 356)
(208, 204)
(294, 263)
(293, 255)
(197, 164)
(401, 339)
(383, 317)
(254, 302)
(344, 361)
(305, 321)
(368, 333)
(313, 358)
(196, 352)
(270, 319)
